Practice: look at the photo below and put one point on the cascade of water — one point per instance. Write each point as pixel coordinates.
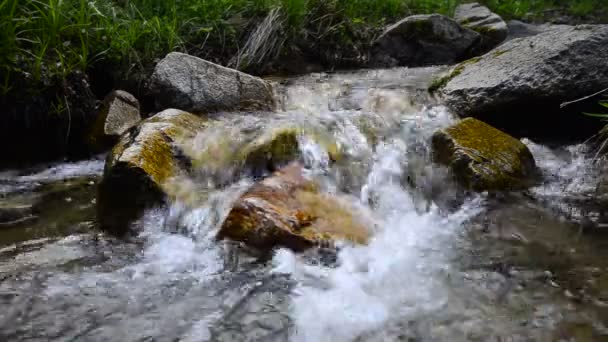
(176, 282)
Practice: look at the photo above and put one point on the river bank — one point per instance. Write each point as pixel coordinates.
(61, 58)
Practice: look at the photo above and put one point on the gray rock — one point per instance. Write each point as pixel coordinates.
(484, 158)
(519, 29)
(489, 25)
(195, 85)
(524, 81)
(118, 113)
(423, 40)
(139, 168)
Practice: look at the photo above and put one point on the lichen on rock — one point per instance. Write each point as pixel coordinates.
(483, 158)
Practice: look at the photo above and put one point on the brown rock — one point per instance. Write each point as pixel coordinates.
(287, 210)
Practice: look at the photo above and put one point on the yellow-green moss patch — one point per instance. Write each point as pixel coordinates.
(482, 157)
(441, 82)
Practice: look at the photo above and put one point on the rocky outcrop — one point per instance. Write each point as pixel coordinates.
(118, 113)
(195, 85)
(483, 158)
(520, 85)
(489, 25)
(423, 40)
(140, 165)
(287, 210)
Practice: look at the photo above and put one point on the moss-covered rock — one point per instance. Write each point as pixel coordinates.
(139, 167)
(287, 210)
(489, 25)
(279, 146)
(483, 158)
(455, 71)
(118, 113)
(514, 86)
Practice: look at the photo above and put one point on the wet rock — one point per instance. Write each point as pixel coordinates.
(277, 147)
(520, 85)
(195, 85)
(140, 165)
(484, 158)
(423, 40)
(13, 215)
(287, 210)
(118, 113)
(489, 25)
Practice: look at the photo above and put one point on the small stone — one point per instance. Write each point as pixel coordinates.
(118, 113)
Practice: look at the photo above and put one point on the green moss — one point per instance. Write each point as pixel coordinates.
(273, 149)
(483, 30)
(482, 157)
(280, 146)
(441, 82)
(499, 53)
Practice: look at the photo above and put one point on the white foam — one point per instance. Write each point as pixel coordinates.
(395, 277)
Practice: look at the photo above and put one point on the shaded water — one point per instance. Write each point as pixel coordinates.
(440, 267)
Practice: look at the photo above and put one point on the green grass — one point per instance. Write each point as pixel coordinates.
(49, 39)
(537, 9)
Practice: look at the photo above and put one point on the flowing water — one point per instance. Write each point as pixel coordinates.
(441, 266)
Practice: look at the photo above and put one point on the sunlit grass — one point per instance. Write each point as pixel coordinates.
(52, 38)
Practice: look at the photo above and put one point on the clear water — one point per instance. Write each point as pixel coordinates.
(440, 266)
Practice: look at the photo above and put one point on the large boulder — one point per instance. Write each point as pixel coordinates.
(117, 114)
(140, 166)
(520, 85)
(483, 158)
(489, 25)
(287, 210)
(520, 29)
(423, 40)
(195, 85)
